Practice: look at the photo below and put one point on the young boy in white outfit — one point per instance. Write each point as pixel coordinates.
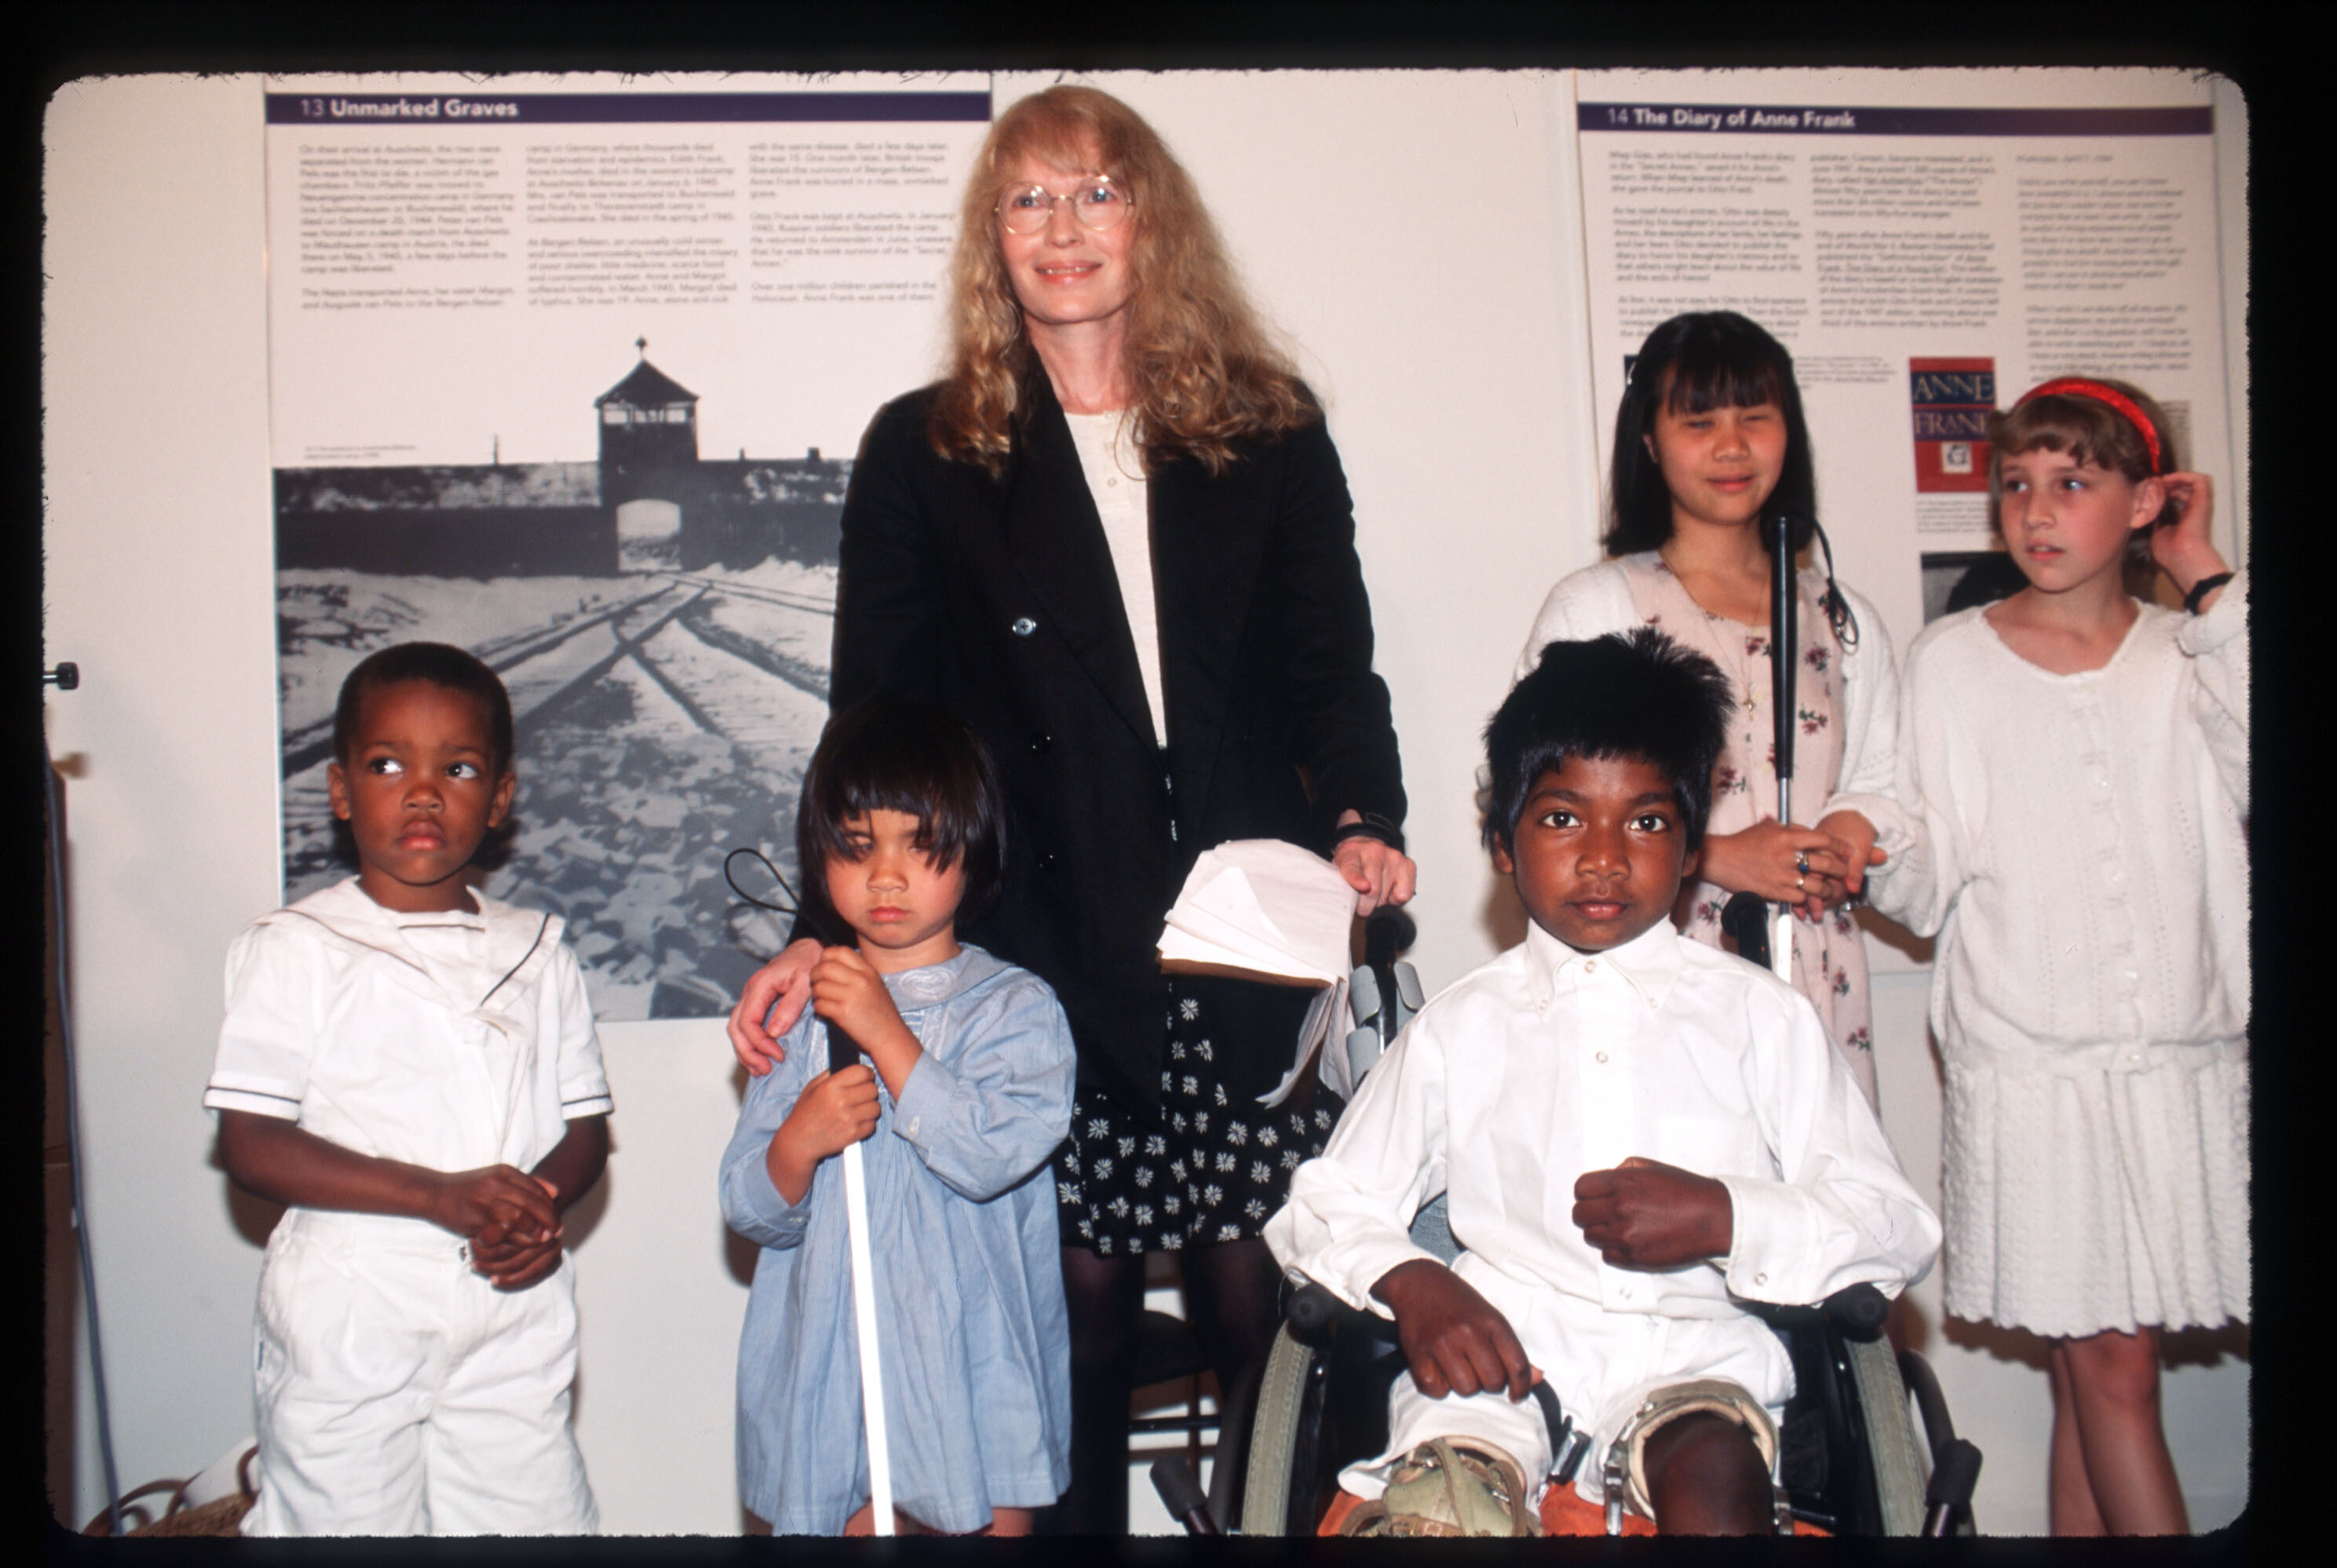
(1636, 1131)
(411, 1066)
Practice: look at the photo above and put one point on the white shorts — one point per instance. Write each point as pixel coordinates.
(401, 1394)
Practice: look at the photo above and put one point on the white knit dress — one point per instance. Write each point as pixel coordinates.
(2084, 863)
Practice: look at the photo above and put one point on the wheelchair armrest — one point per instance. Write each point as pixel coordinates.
(1858, 1310)
(1311, 1309)
(1854, 1311)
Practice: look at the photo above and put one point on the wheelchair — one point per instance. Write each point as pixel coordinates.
(1851, 1461)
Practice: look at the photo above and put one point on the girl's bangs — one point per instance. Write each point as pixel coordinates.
(1702, 380)
(939, 833)
(2088, 431)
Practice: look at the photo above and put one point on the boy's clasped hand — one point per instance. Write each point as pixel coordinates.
(509, 1218)
(1643, 1214)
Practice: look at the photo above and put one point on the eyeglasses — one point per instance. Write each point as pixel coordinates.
(1097, 203)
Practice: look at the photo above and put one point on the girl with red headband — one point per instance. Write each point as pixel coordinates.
(2081, 760)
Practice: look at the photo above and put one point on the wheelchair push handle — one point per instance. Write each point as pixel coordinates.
(1387, 932)
(1385, 993)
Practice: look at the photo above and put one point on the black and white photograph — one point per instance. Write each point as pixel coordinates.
(662, 624)
(571, 379)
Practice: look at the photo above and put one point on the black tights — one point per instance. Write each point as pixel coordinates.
(1230, 1288)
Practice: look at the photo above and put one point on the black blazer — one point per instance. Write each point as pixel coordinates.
(997, 599)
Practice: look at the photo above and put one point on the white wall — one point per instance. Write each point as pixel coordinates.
(159, 566)
(1450, 350)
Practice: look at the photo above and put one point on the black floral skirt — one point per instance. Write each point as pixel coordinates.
(1214, 1169)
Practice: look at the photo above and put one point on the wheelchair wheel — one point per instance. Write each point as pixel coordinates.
(1278, 1422)
(1902, 1466)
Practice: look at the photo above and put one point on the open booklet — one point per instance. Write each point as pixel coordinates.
(1264, 909)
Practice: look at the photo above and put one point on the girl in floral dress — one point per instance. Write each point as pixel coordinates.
(1710, 439)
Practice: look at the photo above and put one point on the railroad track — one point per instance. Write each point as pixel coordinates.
(778, 596)
(670, 631)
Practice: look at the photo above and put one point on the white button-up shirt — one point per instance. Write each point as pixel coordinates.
(1546, 1062)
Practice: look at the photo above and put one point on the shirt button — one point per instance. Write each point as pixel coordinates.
(914, 1123)
(1590, 965)
(1112, 483)
(1023, 625)
(1760, 1279)
(1602, 1056)
(1623, 1292)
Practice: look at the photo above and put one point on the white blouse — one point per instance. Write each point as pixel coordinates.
(1115, 475)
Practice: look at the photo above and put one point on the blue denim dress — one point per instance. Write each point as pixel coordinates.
(975, 1344)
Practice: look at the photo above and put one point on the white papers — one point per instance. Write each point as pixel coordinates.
(1272, 911)
(1268, 909)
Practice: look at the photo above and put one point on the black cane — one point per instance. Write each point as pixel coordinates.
(1784, 643)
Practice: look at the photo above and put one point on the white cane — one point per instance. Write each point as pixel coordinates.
(843, 1053)
(1785, 640)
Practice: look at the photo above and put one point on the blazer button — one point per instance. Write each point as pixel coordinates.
(1023, 625)
(1041, 742)
(1046, 859)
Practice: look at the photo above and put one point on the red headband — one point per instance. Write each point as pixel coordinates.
(2077, 386)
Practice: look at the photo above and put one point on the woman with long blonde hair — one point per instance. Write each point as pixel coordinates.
(1116, 539)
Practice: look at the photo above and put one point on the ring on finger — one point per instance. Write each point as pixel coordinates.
(1801, 862)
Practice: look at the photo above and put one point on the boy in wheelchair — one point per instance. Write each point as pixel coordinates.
(1634, 1132)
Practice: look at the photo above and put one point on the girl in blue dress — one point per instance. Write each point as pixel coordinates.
(965, 1094)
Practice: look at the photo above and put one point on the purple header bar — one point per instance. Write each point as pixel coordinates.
(1783, 120)
(487, 106)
